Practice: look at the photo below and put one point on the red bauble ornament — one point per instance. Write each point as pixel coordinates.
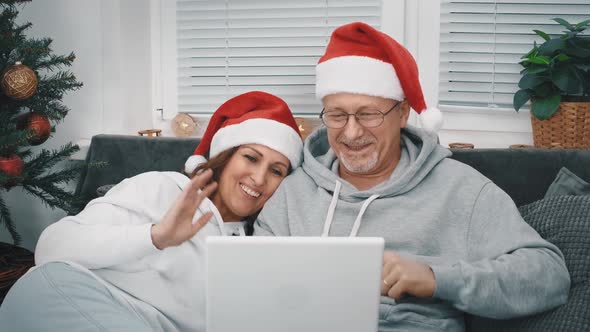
(36, 122)
(12, 166)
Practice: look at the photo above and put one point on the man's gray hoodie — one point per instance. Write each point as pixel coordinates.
(486, 259)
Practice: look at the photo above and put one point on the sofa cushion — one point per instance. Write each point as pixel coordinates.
(565, 222)
(126, 156)
(102, 190)
(568, 183)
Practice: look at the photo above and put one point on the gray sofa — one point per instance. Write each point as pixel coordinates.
(525, 174)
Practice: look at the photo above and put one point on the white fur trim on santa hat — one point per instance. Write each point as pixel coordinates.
(192, 162)
(431, 119)
(357, 74)
(273, 134)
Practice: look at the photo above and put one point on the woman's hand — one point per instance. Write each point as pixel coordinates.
(177, 225)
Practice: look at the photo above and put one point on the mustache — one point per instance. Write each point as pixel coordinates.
(355, 142)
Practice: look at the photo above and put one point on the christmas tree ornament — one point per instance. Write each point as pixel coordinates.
(36, 122)
(183, 125)
(11, 165)
(19, 82)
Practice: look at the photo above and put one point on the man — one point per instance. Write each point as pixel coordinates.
(455, 242)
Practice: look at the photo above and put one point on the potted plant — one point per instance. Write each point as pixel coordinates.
(556, 79)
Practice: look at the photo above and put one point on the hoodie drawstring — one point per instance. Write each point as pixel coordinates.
(222, 227)
(332, 208)
(359, 217)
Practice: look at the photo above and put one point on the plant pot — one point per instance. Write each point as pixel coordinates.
(568, 128)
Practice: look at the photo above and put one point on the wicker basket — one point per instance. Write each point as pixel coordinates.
(568, 128)
(14, 262)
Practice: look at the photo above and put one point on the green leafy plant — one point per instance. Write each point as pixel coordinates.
(556, 70)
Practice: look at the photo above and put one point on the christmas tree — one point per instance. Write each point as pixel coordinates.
(33, 82)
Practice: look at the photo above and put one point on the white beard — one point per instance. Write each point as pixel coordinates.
(360, 166)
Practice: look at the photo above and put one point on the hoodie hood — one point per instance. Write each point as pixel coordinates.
(419, 155)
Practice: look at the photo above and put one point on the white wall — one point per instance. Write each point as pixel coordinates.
(111, 41)
(126, 51)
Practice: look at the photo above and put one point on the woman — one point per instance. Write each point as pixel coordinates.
(133, 260)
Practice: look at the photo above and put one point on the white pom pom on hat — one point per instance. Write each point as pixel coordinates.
(193, 162)
(431, 119)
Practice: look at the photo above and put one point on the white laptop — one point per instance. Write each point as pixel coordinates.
(303, 284)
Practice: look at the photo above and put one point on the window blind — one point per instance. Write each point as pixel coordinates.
(482, 42)
(225, 48)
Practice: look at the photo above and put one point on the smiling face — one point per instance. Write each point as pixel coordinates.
(248, 180)
(364, 150)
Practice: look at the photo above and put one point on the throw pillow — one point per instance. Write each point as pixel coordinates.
(102, 190)
(567, 183)
(564, 221)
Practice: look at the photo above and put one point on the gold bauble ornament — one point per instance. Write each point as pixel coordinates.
(183, 125)
(19, 82)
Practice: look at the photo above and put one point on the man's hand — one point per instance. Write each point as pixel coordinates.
(177, 225)
(402, 276)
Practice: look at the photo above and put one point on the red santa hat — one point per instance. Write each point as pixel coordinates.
(360, 59)
(251, 118)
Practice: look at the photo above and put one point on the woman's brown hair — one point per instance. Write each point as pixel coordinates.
(216, 164)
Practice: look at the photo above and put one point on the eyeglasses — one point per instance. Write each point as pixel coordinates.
(366, 118)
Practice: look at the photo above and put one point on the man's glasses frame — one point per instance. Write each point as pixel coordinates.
(371, 119)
